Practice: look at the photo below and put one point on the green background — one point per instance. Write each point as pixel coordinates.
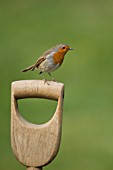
(30, 27)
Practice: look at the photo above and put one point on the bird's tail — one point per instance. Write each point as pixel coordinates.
(32, 67)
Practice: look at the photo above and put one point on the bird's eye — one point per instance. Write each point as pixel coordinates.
(64, 47)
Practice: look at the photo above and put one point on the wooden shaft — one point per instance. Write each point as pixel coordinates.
(34, 168)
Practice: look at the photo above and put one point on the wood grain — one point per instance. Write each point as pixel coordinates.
(36, 145)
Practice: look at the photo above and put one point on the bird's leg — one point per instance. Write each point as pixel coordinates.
(51, 76)
(46, 81)
(43, 78)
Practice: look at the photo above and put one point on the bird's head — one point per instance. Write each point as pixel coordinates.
(63, 49)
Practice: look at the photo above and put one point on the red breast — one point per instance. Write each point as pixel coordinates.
(58, 57)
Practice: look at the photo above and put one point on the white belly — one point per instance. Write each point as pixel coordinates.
(48, 66)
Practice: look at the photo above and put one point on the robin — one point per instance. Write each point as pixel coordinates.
(50, 60)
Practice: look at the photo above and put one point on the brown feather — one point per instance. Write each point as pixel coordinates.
(39, 61)
(36, 65)
(29, 68)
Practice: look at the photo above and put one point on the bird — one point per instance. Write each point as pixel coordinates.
(50, 60)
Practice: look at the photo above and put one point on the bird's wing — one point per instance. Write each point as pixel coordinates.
(44, 55)
(40, 60)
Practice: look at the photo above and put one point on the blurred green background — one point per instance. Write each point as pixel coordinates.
(30, 27)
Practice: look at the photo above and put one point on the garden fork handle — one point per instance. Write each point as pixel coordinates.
(36, 145)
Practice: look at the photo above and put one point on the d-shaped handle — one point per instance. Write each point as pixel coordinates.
(36, 145)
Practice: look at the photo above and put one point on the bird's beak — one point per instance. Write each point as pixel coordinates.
(71, 49)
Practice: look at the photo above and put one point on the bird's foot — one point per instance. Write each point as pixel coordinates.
(46, 81)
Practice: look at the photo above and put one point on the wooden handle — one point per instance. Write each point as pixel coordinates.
(36, 88)
(36, 145)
